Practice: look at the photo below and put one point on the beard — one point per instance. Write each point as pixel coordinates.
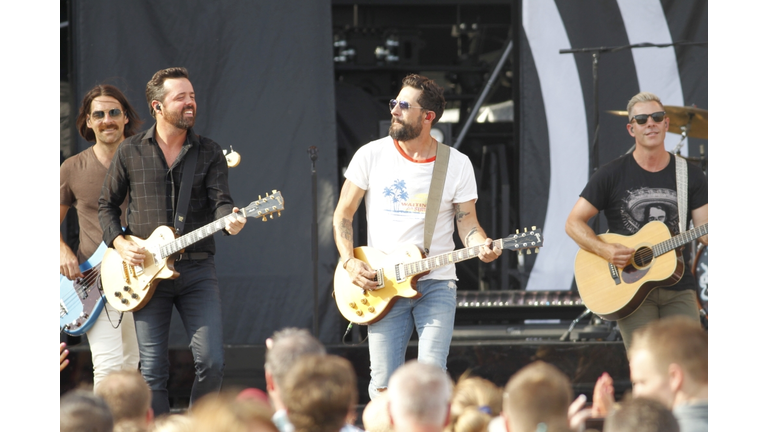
(178, 120)
(405, 132)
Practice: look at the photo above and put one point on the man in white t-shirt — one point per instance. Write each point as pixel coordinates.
(393, 175)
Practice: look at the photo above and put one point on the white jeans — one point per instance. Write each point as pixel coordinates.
(112, 349)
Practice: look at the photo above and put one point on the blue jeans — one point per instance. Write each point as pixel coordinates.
(432, 314)
(195, 293)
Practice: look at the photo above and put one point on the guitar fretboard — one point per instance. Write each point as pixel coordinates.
(195, 236)
(679, 240)
(427, 264)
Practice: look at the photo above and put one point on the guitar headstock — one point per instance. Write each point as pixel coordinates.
(267, 206)
(525, 240)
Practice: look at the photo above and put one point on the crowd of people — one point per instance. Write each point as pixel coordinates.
(308, 389)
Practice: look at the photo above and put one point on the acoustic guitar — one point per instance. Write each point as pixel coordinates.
(129, 288)
(614, 293)
(398, 272)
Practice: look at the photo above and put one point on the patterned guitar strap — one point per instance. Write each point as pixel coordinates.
(435, 193)
(681, 171)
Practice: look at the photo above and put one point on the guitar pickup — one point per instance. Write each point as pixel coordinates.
(614, 273)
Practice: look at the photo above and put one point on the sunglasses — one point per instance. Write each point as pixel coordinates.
(403, 105)
(641, 119)
(99, 115)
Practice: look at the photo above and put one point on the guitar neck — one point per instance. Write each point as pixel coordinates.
(680, 239)
(433, 262)
(195, 236)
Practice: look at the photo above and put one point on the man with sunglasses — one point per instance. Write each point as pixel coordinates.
(624, 189)
(393, 175)
(150, 166)
(105, 118)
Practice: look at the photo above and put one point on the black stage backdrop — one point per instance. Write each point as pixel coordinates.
(557, 121)
(263, 76)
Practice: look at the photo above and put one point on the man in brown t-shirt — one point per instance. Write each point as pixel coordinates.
(106, 118)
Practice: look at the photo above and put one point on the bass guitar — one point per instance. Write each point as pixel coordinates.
(80, 301)
(398, 272)
(129, 288)
(614, 293)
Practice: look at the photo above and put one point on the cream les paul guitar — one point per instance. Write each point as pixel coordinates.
(398, 272)
(129, 288)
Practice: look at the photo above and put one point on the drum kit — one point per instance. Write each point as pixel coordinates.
(690, 121)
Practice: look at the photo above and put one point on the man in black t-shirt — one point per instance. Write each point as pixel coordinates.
(633, 190)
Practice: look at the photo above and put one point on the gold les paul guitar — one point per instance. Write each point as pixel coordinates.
(614, 293)
(129, 288)
(398, 272)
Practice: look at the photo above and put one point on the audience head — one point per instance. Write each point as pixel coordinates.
(537, 393)
(128, 397)
(283, 349)
(474, 403)
(173, 423)
(83, 411)
(225, 412)
(419, 397)
(129, 123)
(641, 415)
(320, 393)
(375, 415)
(668, 361)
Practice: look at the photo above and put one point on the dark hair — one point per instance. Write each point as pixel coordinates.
(85, 109)
(431, 94)
(156, 90)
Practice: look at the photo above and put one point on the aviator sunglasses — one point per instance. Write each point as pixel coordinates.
(641, 119)
(99, 115)
(403, 105)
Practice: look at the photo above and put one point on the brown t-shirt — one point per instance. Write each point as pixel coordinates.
(81, 178)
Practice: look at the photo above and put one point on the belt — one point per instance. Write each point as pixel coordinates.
(193, 256)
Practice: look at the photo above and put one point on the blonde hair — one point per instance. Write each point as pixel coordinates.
(474, 403)
(676, 339)
(642, 97)
(223, 412)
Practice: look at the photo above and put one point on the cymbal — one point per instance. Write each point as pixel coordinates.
(678, 119)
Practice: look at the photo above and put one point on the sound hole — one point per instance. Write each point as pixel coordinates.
(643, 257)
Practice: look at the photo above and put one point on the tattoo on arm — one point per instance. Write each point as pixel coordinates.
(459, 213)
(345, 230)
(466, 238)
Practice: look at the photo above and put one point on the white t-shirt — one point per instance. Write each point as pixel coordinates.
(397, 188)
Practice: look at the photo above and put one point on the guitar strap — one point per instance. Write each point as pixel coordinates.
(681, 173)
(187, 178)
(435, 193)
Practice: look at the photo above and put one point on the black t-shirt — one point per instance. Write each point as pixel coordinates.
(630, 197)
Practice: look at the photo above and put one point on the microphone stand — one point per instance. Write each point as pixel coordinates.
(596, 51)
(313, 156)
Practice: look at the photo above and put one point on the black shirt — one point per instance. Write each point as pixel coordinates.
(630, 197)
(139, 169)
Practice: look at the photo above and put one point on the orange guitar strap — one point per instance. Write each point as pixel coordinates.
(435, 193)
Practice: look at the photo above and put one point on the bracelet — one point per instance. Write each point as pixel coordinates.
(344, 266)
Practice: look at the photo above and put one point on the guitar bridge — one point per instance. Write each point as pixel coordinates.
(614, 273)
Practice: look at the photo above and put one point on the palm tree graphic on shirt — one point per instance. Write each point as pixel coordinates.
(396, 193)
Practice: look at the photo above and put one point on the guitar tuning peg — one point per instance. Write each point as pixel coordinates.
(519, 253)
(270, 216)
(264, 218)
(274, 191)
(517, 231)
(525, 229)
(527, 251)
(278, 214)
(533, 227)
(259, 197)
(536, 250)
